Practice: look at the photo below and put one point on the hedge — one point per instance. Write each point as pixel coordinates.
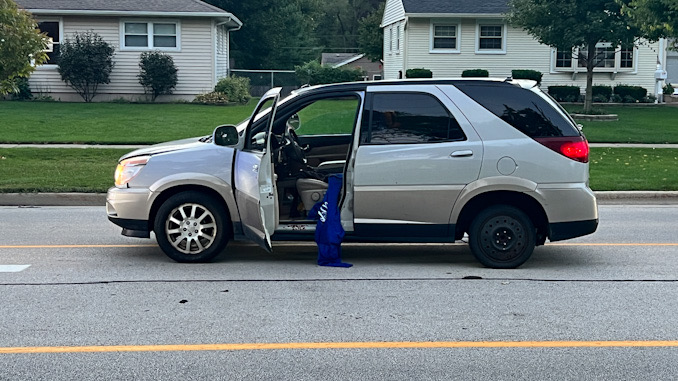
(565, 93)
(475, 73)
(418, 73)
(527, 74)
(635, 92)
(602, 93)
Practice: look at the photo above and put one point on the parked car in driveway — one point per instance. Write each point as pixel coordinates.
(422, 161)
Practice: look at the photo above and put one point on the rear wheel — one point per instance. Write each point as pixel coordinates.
(502, 237)
(192, 227)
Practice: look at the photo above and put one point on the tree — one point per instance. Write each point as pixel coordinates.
(370, 34)
(655, 18)
(21, 46)
(570, 24)
(276, 34)
(85, 63)
(158, 74)
(339, 23)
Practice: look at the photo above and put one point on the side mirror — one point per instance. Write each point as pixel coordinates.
(226, 135)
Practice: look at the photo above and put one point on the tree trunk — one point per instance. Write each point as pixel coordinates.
(590, 64)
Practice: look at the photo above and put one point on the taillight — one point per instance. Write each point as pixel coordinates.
(573, 147)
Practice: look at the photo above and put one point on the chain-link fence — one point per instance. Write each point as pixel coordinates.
(262, 80)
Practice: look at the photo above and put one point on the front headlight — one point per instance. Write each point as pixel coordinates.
(128, 168)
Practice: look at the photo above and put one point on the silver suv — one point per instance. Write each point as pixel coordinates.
(422, 161)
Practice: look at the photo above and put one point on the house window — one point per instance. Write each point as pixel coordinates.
(607, 58)
(564, 58)
(626, 60)
(150, 35)
(444, 37)
(53, 31)
(390, 39)
(490, 37)
(397, 38)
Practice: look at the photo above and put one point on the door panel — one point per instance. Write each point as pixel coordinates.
(255, 191)
(408, 173)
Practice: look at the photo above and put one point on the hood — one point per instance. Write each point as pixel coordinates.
(167, 147)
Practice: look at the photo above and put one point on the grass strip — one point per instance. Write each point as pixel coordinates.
(112, 123)
(91, 170)
(636, 124)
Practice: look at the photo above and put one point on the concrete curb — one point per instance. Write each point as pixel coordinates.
(99, 199)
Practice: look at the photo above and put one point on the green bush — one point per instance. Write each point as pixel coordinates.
(668, 89)
(636, 93)
(236, 89)
(527, 74)
(158, 73)
(85, 62)
(313, 73)
(473, 73)
(418, 73)
(602, 93)
(23, 90)
(565, 93)
(213, 98)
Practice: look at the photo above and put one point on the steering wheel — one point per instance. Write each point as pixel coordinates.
(293, 149)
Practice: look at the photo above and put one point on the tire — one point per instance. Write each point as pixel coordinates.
(502, 237)
(192, 227)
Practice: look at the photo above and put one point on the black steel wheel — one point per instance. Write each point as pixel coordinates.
(502, 237)
(192, 227)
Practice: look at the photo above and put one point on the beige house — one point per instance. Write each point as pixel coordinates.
(450, 36)
(194, 33)
(373, 69)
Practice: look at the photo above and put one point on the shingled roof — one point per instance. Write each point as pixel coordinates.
(188, 6)
(455, 6)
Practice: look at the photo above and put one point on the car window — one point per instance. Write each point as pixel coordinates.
(522, 108)
(328, 116)
(407, 118)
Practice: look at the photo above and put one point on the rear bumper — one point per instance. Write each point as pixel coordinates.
(565, 230)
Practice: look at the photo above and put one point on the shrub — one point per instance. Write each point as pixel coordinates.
(616, 98)
(213, 98)
(236, 89)
(627, 92)
(23, 90)
(527, 74)
(157, 75)
(565, 93)
(475, 73)
(418, 73)
(313, 73)
(602, 93)
(85, 63)
(668, 89)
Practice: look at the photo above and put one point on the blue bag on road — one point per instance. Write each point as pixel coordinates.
(329, 233)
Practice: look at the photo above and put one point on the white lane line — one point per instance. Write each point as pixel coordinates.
(13, 268)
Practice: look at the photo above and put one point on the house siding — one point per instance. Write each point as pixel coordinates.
(393, 11)
(394, 59)
(195, 61)
(522, 52)
(222, 39)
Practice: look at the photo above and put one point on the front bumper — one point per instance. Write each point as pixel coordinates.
(129, 208)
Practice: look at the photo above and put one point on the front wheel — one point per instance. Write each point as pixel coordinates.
(502, 237)
(190, 227)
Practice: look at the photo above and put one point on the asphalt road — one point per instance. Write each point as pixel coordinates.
(79, 301)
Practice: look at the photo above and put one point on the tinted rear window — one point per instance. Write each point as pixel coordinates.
(524, 109)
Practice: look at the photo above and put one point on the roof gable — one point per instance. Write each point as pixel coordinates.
(455, 6)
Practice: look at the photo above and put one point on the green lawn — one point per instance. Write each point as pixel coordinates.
(91, 170)
(636, 124)
(124, 123)
(111, 123)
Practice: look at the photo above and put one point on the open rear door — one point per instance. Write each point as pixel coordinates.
(254, 184)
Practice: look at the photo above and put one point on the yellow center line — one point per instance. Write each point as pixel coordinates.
(68, 246)
(341, 345)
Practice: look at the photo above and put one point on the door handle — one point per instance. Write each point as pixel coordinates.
(461, 153)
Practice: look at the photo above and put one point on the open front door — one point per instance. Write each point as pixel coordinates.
(255, 191)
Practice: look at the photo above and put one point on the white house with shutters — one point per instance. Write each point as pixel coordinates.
(450, 36)
(194, 33)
